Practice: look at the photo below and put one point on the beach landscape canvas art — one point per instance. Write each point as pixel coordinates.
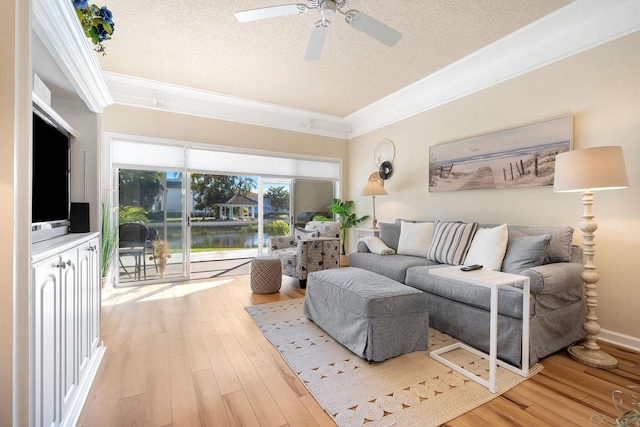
(522, 156)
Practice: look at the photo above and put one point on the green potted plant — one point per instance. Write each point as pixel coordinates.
(347, 219)
(109, 237)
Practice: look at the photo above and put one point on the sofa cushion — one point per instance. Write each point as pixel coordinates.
(488, 247)
(415, 238)
(560, 244)
(392, 266)
(509, 297)
(390, 234)
(525, 252)
(451, 242)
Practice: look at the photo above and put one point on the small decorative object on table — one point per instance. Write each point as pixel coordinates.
(629, 403)
(160, 254)
(97, 23)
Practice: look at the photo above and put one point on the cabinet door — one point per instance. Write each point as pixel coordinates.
(95, 297)
(88, 304)
(68, 329)
(46, 397)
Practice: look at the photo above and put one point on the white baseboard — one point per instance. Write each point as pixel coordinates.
(71, 419)
(622, 340)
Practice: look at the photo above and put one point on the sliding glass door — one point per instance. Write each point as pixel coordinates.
(275, 214)
(152, 226)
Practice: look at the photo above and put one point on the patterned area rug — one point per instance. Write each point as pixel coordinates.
(409, 390)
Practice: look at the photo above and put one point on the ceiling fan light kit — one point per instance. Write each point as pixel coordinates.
(328, 9)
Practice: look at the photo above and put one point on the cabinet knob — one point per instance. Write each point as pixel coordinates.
(92, 248)
(64, 264)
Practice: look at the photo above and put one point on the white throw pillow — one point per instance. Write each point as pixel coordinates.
(415, 238)
(488, 247)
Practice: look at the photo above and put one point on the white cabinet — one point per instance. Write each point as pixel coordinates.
(66, 327)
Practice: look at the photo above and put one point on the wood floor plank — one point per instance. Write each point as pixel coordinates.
(240, 410)
(198, 358)
(184, 404)
(292, 409)
(130, 412)
(208, 364)
(261, 400)
(211, 406)
(105, 396)
(513, 414)
(222, 368)
(158, 392)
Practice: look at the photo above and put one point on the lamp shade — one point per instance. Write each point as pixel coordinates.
(373, 189)
(599, 168)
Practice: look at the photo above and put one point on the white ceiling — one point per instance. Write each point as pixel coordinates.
(200, 44)
(194, 57)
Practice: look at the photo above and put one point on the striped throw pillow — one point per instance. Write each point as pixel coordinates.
(451, 242)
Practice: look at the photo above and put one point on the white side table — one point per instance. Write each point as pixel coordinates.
(493, 280)
(364, 232)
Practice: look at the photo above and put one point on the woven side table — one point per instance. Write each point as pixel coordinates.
(266, 275)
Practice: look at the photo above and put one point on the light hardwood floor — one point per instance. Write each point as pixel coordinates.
(187, 354)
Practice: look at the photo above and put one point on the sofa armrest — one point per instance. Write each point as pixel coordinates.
(281, 242)
(559, 278)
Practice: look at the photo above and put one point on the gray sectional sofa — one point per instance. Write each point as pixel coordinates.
(544, 254)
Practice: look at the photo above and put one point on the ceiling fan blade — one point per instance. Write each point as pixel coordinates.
(316, 41)
(270, 12)
(372, 27)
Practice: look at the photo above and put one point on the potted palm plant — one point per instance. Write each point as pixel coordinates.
(347, 219)
(109, 237)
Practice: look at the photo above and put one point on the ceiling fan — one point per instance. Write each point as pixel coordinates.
(327, 8)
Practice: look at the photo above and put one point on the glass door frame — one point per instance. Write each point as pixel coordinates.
(272, 180)
(186, 231)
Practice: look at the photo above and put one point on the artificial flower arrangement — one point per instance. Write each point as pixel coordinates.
(97, 22)
(160, 253)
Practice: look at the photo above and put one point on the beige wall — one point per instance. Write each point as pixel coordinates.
(7, 42)
(160, 124)
(601, 88)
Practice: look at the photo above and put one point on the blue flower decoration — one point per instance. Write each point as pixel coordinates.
(106, 14)
(80, 4)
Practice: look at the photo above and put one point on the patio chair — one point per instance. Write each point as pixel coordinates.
(132, 242)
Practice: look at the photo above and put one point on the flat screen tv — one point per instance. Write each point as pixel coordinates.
(50, 184)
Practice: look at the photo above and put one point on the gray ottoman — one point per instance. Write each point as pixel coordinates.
(373, 316)
(266, 274)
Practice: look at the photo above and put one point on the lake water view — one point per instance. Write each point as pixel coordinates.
(219, 237)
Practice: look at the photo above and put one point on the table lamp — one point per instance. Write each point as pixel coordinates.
(373, 189)
(588, 170)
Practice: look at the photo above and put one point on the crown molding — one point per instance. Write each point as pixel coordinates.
(57, 25)
(139, 92)
(579, 26)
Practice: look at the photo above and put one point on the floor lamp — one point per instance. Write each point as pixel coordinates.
(586, 170)
(373, 188)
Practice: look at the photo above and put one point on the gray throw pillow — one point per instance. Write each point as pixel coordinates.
(525, 252)
(390, 234)
(560, 244)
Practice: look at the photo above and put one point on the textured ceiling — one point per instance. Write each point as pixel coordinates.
(200, 44)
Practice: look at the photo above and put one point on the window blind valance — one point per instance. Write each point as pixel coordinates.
(143, 155)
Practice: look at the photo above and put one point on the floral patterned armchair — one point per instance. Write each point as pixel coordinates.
(315, 248)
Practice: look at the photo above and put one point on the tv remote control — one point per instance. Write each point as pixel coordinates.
(471, 267)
